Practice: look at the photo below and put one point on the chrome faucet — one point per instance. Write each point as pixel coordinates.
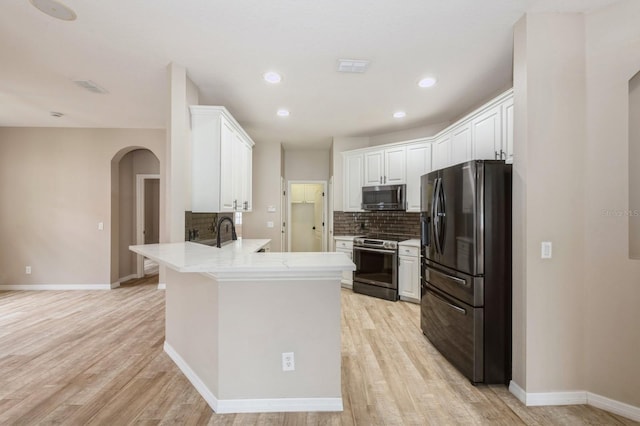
(233, 230)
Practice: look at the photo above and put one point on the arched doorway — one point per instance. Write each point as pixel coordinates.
(131, 168)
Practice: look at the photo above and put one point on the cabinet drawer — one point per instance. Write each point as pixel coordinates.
(408, 251)
(345, 245)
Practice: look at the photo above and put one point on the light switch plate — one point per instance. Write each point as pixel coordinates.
(271, 209)
(545, 250)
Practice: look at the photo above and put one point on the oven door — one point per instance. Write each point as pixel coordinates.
(377, 267)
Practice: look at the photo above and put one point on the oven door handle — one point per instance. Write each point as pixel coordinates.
(374, 250)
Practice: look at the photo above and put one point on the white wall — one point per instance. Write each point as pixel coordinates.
(408, 134)
(55, 186)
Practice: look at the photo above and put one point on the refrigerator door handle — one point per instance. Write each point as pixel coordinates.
(441, 215)
(434, 214)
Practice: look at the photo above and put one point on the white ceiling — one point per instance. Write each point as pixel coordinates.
(226, 46)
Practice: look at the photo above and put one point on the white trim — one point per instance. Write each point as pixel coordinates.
(531, 399)
(7, 287)
(265, 405)
(611, 405)
(575, 398)
(202, 389)
(278, 405)
(162, 286)
(325, 231)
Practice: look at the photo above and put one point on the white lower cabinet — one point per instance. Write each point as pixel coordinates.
(344, 244)
(409, 271)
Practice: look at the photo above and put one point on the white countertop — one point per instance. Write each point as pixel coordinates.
(411, 243)
(240, 257)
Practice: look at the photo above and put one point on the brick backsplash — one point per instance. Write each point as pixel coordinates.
(392, 222)
(204, 226)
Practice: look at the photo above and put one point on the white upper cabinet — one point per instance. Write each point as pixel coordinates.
(487, 134)
(461, 147)
(221, 162)
(353, 181)
(418, 164)
(442, 151)
(385, 166)
(507, 129)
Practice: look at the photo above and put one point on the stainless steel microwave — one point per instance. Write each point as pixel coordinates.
(384, 197)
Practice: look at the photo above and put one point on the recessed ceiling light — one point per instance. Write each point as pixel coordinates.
(283, 113)
(399, 114)
(272, 77)
(427, 82)
(54, 9)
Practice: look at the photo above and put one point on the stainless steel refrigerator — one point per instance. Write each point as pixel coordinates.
(466, 267)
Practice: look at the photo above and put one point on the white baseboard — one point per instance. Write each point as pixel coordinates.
(616, 407)
(266, 405)
(162, 286)
(7, 287)
(574, 398)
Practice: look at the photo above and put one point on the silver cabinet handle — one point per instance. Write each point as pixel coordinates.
(495, 155)
(380, 179)
(246, 205)
(235, 204)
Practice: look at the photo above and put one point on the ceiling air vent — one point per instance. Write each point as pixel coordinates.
(90, 86)
(352, 65)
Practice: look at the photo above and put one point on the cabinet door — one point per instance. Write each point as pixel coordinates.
(442, 152)
(409, 278)
(353, 172)
(487, 135)
(418, 164)
(297, 193)
(227, 152)
(507, 129)
(374, 168)
(247, 176)
(394, 166)
(461, 147)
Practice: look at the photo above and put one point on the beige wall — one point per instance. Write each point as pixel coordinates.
(554, 199)
(140, 161)
(55, 186)
(612, 280)
(576, 315)
(266, 192)
(634, 167)
(306, 164)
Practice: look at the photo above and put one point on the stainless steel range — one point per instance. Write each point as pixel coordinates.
(376, 259)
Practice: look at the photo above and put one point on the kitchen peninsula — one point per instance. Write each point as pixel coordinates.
(236, 319)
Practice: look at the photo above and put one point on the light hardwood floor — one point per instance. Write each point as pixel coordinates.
(95, 357)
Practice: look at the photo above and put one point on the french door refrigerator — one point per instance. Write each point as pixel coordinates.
(466, 267)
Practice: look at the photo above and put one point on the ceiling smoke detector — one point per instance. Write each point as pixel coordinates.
(54, 9)
(56, 114)
(352, 65)
(90, 86)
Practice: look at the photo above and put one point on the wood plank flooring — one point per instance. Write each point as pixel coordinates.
(96, 357)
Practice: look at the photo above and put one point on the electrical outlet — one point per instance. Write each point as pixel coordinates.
(545, 250)
(270, 224)
(288, 363)
(27, 270)
(100, 226)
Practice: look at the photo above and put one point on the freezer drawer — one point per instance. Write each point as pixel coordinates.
(464, 287)
(456, 330)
